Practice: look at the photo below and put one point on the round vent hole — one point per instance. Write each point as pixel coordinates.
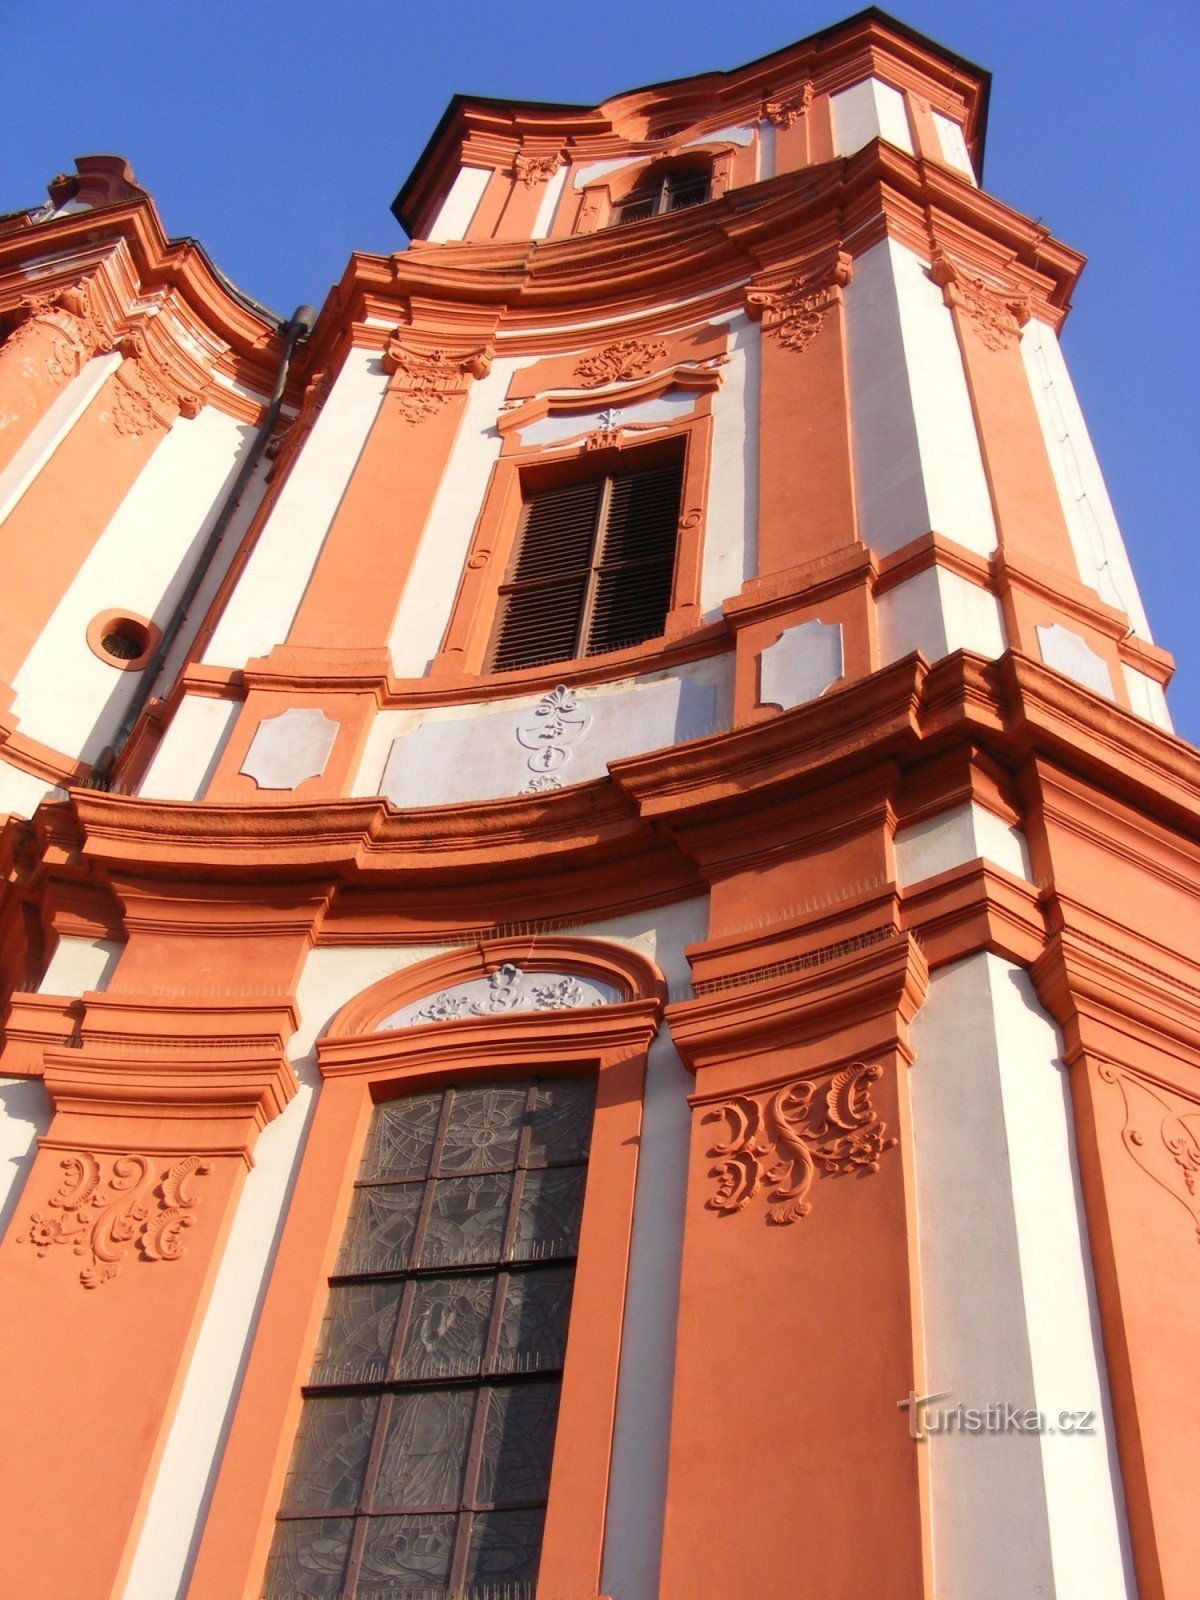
(125, 643)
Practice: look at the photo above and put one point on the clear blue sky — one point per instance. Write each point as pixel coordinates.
(278, 134)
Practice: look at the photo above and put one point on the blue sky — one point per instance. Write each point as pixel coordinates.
(277, 134)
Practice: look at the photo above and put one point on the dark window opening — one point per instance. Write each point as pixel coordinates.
(593, 570)
(661, 192)
(422, 1464)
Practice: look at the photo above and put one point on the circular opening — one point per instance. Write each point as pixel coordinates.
(126, 641)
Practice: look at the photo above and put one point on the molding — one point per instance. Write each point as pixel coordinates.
(425, 377)
(794, 311)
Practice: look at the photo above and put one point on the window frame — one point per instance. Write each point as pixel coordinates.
(466, 643)
(359, 1068)
(664, 175)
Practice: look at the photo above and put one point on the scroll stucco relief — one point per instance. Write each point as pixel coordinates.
(779, 1139)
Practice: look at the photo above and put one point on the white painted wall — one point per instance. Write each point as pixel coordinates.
(479, 752)
(730, 553)
(189, 751)
(273, 582)
(61, 416)
(938, 612)
(1147, 698)
(766, 150)
(22, 792)
(960, 834)
(1091, 522)
(548, 205)
(869, 110)
(459, 206)
(65, 695)
(1008, 1299)
(424, 608)
(916, 452)
(80, 965)
(664, 408)
(25, 1113)
(331, 976)
(954, 145)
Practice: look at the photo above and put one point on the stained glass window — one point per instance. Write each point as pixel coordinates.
(422, 1463)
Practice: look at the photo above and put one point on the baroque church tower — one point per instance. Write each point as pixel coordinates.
(594, 885)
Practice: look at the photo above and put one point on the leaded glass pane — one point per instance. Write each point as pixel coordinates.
(406, 1556)
(533, 1322)
(425, 1448)
(518, 1438)
(331, 1452)
(503, 1554)
(308, 1559)
(562, 1121)
(466, 1221)
(402, 1137)
(484, 1130)
(356, 1339)
(548, 1215)
(380, 1232)
(447, 1328)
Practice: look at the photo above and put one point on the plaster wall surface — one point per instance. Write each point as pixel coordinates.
(869, 110)
(272, 584)
(730, 553)
(954, 145)
(66, 696)
(190, 749)
(1147, 698)
(22, 792)
(79, 965)
(424, 607)
(1091, 522)
(332, 976)
(548, 205)
(25, 1114)
(419, 758)
(938, 612)
(1008, 1300)
(50, 430)
(963, 833)
(459, 206)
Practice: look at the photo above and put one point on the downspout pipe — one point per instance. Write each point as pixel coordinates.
(102, 771)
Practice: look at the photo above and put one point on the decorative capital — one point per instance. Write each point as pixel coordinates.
(620, 362)
(425, 378)
(79, 330)
(1164, 1142)
(108, 1208)
(782, 112)
(795, 311)
(532, 170)
(778, 1140)
(996, 313)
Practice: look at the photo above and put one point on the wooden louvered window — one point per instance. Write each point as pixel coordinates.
(593, 569)
(661, 192)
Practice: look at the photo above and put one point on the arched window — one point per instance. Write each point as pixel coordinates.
(422, 1464)
(664, 189)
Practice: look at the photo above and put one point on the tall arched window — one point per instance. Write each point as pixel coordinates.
(422, 1463)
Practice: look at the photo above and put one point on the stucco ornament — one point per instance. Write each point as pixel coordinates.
(107, 1206)
(1163, 1141)
(619, 362)
(289, 748)
(424, 378)
(532, 170)
(556, 724)
(508, 989)
(996, 312)
(794, 311)
(779, 1139)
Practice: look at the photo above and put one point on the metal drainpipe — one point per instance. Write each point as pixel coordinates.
(101, 774)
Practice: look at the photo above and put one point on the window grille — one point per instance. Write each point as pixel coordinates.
(593, 570)
(422, 1463)
(662, 192)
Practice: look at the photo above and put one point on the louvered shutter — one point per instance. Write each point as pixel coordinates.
(593, 571)
(637, 560)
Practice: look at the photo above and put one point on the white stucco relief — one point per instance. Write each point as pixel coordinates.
(568, 735)
(289, 748)
(801, 664)
(508, 989)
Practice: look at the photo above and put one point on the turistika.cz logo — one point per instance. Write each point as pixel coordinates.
(926, 1416)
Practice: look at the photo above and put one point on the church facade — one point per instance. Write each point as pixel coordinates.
(596, 887)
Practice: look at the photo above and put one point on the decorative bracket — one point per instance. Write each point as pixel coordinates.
(997, 313)
(780, 1138)
(794, 311)
(532, 170)
(425, 377)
